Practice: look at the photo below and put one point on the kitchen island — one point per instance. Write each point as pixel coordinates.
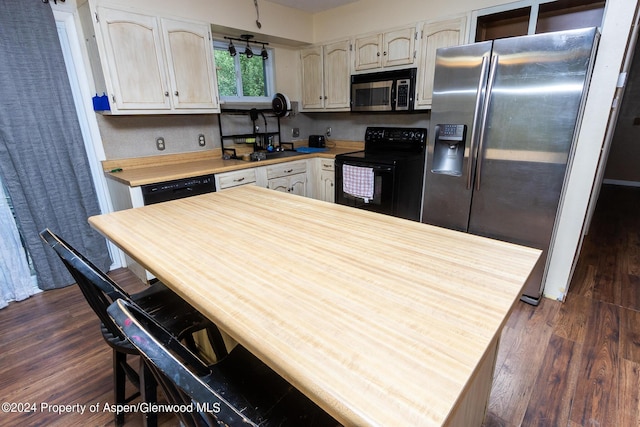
(381, 321)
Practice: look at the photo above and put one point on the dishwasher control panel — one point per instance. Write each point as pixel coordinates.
(177, 189)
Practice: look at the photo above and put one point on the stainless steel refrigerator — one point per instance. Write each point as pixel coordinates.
(502, 130)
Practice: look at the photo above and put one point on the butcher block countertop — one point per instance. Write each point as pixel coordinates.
(150, 170)
(380, 320)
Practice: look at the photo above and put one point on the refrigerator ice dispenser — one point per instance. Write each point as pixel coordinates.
(448, 153)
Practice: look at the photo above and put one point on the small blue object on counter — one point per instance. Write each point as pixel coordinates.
(310, 149)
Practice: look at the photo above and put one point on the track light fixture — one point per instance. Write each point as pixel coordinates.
(247, 50)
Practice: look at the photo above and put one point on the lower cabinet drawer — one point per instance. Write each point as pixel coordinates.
(235, 178)
(284, 169)
(327, 164)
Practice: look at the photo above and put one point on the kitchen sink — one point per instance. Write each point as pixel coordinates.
(266, 155)
(281, 154)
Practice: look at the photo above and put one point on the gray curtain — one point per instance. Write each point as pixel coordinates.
(15, 275)
(43, 162)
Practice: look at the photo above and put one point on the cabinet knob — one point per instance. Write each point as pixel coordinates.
(384, 53)
(325, 97)
(378, 54)
(166, 93)
(176, 93)
(320, 97)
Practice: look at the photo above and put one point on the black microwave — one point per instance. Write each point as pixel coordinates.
(392, 91)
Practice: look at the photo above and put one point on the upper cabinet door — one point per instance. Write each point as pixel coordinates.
(399, 47)
(388, 49)
(326, 72)
(312, 81)
(367, 52)
(190, 64)
(337, 83)
(434, 36)
(135, 60)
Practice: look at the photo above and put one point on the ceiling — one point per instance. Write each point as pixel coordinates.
(312, 6)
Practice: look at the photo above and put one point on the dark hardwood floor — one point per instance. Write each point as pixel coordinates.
(560, 364)
(52, 353)
(578, 363)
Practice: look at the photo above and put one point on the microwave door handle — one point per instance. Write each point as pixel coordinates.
(393, 100)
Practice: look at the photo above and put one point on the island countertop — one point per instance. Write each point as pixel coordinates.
(380, 320)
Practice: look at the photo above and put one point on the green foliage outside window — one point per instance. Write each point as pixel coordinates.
(226, 73)
(249, 81)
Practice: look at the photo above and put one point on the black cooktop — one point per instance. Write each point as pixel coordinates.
(389, 145)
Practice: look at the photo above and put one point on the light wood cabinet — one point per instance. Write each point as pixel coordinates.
(337, 76)
(325, 181)
(190, 63)
(326, 77)
(295, 184)
(151, 65)
(312, 78)
(368, 52)
(389, 49)
(434, 36)
(290, 177)
(235, 178)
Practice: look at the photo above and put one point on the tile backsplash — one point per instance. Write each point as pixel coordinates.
(135, 136)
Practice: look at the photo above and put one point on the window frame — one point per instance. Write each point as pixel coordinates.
(269, 67)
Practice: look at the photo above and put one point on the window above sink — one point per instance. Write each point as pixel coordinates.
(244, 79)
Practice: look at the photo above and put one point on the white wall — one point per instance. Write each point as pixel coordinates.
(276, 20)
(624, 156)
(615, 31)
(366, 16)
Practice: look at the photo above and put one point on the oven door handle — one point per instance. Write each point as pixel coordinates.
(376, 168)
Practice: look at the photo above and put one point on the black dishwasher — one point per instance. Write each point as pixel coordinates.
(177, 189)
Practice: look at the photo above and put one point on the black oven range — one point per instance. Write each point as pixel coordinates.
(387, 176)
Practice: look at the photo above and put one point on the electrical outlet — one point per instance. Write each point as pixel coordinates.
(295, 132)
(201, 141)
(329, 131)
(160, 143)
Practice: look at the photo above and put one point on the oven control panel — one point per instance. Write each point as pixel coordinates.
(391, 139)
(390, 135)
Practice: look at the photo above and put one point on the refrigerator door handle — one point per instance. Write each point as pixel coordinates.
(476, 118)
(485, 113)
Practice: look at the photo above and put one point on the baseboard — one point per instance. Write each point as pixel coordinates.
(621, 182)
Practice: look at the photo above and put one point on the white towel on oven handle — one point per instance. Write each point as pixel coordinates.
(358, 181)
